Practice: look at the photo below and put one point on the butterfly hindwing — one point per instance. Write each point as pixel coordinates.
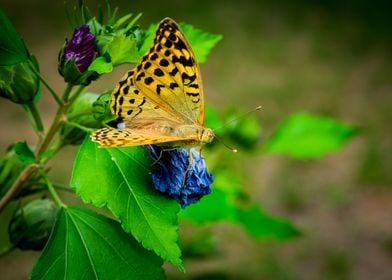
(113, 137)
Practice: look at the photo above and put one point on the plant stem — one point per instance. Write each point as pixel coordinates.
(24, 175)
(76, 94)
(50, 89)
(67, 92)
(81, 127)
(58, 121)
(35, 117)
(52, 191)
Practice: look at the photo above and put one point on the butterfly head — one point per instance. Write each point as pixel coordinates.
(207, 135)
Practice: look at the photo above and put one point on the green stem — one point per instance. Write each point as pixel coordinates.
(64, 188)
(76, 94)
(23, 177)
(50, 152)
(35, 117)
(81, 127)
(58, 121)
(67, 92)
(51, 189)
(50, 89)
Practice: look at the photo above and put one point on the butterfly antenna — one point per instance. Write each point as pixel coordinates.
(237, 118)
(224, 144)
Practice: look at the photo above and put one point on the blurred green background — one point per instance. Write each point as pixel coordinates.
(327, 57)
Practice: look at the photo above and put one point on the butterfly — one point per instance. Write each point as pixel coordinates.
(160, 101)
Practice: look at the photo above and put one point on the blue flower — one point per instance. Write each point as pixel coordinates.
(81, 47)
(174, 168)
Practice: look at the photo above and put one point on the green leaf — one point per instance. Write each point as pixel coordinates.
(260, 225)
(86, 245)
(306, 136)
(12, 48)
(201, 42)
(120, 179)
(213, 207)
(24, 153)
(122, 49)
(222, 205)
(148, 37)
(101, 66)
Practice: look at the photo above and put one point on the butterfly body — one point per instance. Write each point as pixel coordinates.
(160, 101)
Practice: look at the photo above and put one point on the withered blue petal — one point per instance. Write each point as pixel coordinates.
(173, 165)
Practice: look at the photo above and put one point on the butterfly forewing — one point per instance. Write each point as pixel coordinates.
(169, 73)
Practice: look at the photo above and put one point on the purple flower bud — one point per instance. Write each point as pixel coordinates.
(81, 47)
(169, 178)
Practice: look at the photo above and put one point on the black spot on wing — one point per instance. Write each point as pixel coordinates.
(158, 72)
(194, 86)
(125, 89)
(168, 44)
(180, 45)
(181, 59)
(194, 94)
(172, 36)
(147, 65)
(164, 62)
(186, 79)
(154, 56)
(173, 85)
(148, 80)
(158, 48)
(140, 76)
(158, 89)
(173, 72)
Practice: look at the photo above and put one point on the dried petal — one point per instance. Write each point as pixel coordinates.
(175, 168)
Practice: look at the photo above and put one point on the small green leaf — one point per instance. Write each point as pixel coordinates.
(12, 48)
(86, 245)
(101, 66)
(201, 42)
(304, 135)
(24, 153)
(260, 225)
(122, 49)
(120, 179)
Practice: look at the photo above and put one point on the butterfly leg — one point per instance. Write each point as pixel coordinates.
(161, 154)
(187, 169)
